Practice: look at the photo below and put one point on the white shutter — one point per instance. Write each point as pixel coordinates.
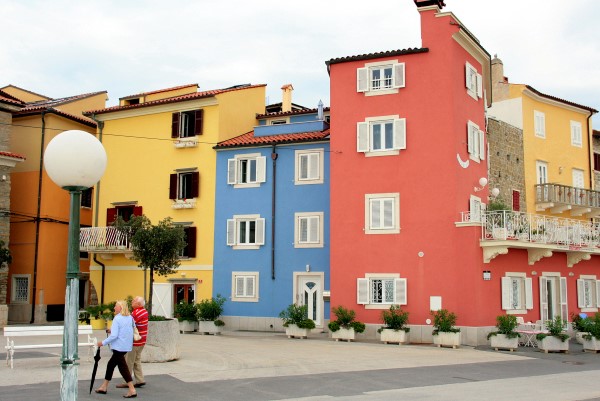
(543, 299)
(597, 293)
(250, 286)
(468, 69)
(580, 293)
(479, 85)
(564, 311)
(362, 80)
(362, 291)
(313, 227)
(400, 134)
(400, 293)
(362, 137)
(388, 213)
(302, 229)
(231, 171)
(375, 215)
(313, 171)
(260, 231)
(481, 145)
(528, 293)
(261, 165)
(239, 286)
(471, 129)
(230, 232)
(506, 286)
(399, 75)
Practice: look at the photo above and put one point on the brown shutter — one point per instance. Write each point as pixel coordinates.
(516, 200)
(111, 215)
(175, 126)
(198, 122)
(137, 211)
(190, 233)
(195, 184)
(173, 186)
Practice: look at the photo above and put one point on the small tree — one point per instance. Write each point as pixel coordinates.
(156, 247)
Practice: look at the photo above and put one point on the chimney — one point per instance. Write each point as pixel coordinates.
(500, 86)
(286, 103)
(426, 3)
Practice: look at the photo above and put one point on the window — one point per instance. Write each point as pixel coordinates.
(539, 124)
(578, 180)
(380, 78)
(278, 122)
(309, 166)
(553, 297)
(20, 288)
(473, 82)
(475, 142)
(475, 208)
(382, 213)
(189, 251)
(516, 200)
(86, 197)
(244, 286)
(246, 232)
(123, 211)
(588, 293)
(517, 293)
(246, 170)
(309, 230)
(576, 137)
(542, 172)
(381, 136)
(187, 123)
(184, 185)
(378, 291)
(597, 161)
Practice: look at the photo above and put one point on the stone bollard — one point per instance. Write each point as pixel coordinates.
(163, 342)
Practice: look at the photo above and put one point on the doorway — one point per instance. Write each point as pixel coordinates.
(309, 292)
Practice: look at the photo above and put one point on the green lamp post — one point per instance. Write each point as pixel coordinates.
(75, 161)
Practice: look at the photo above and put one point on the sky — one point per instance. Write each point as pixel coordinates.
(61, 48)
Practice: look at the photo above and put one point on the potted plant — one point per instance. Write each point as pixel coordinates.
(505, 337)
(95, 316)
(296, 321)
(395, 321)
(345, 327)
(555, 339)
(185, 313)
(580, 324)
(107, 314)
(208, 314)
(444, 333)
(591, 339)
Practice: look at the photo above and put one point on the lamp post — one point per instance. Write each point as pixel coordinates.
(74, 160)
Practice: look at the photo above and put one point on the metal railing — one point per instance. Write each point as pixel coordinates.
(563, 194)
(104, 239)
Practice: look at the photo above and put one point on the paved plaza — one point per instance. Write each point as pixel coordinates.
(268, 366)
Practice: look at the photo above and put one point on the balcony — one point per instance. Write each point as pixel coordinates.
(106, 240)
(540, 235)
(557, 198)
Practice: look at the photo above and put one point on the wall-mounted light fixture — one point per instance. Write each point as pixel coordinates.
(482, 183)
(307, 268)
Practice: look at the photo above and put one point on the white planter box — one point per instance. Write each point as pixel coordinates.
(393, 336)
(579, 336)
(187, 326)
(343, 334)
(500, 341)
(591, 345)
(208, 327)
(551, 343)
(293, 331)
(445, 339)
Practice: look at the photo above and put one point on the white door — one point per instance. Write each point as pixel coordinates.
(542, 178)
(578, 182)
(553, 298)
(309, 292)
(162, 299)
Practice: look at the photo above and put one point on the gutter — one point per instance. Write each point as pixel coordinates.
(274, 156)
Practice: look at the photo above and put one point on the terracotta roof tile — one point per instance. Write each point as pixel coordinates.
(13, 155)
(248, 139)
(44, 104)
(369, 56)
(290, 113)
(159, 91)
(38, 110)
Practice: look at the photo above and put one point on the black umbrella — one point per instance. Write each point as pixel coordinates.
(96, 360)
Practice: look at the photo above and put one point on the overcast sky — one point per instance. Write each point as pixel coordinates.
(60, 48)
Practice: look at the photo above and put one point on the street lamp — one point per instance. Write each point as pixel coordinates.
(74, 160)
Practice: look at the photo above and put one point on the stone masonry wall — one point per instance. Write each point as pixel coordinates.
(5, 121)
(507, 172)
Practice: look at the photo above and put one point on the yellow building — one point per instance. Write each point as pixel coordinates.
(557, 148)
(39, 209)
(161, 164)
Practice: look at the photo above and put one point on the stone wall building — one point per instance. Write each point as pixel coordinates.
(596, 161)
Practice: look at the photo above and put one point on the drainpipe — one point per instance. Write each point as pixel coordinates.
(96, 199)
(37, 220)
(591, 151)
(274, 187)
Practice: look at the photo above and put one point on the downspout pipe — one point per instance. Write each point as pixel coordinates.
(96, 210)
(37, 219)
(274, 156)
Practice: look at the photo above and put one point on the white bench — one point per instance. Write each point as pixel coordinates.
(33, 331)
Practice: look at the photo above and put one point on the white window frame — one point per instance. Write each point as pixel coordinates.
(364, 135)
(364, 78)
(476, 208)
(13, 289)
(364, 293)
(234, 167)
(246, 277)
(539, 124)
(578, 176)
(233, 229)
(576, 134)
(315, 166)
(370, 200)
(311, 219)
(475, 142)
(473, 82)
(517, 293)
(541, 172)
(588, 287)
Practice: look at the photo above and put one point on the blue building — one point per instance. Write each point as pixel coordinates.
(272, 219)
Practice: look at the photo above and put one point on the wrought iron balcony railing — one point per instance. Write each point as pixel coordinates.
(559, 198)
(104, 240)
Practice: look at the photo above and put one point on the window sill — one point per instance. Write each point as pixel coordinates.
(320, 245)
(380, 92)
(249, 299)
(243, 247)
(378, 153)
(185, 143)
(184, 204)
(250, 185)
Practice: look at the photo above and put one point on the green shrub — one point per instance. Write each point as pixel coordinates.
(555, 328)
(506, 324)
(156, 318)
(210, 309)
(345, 319)
(185, 311)
(443, 322)
(298, 315)
(394, 319)
(592, 327)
